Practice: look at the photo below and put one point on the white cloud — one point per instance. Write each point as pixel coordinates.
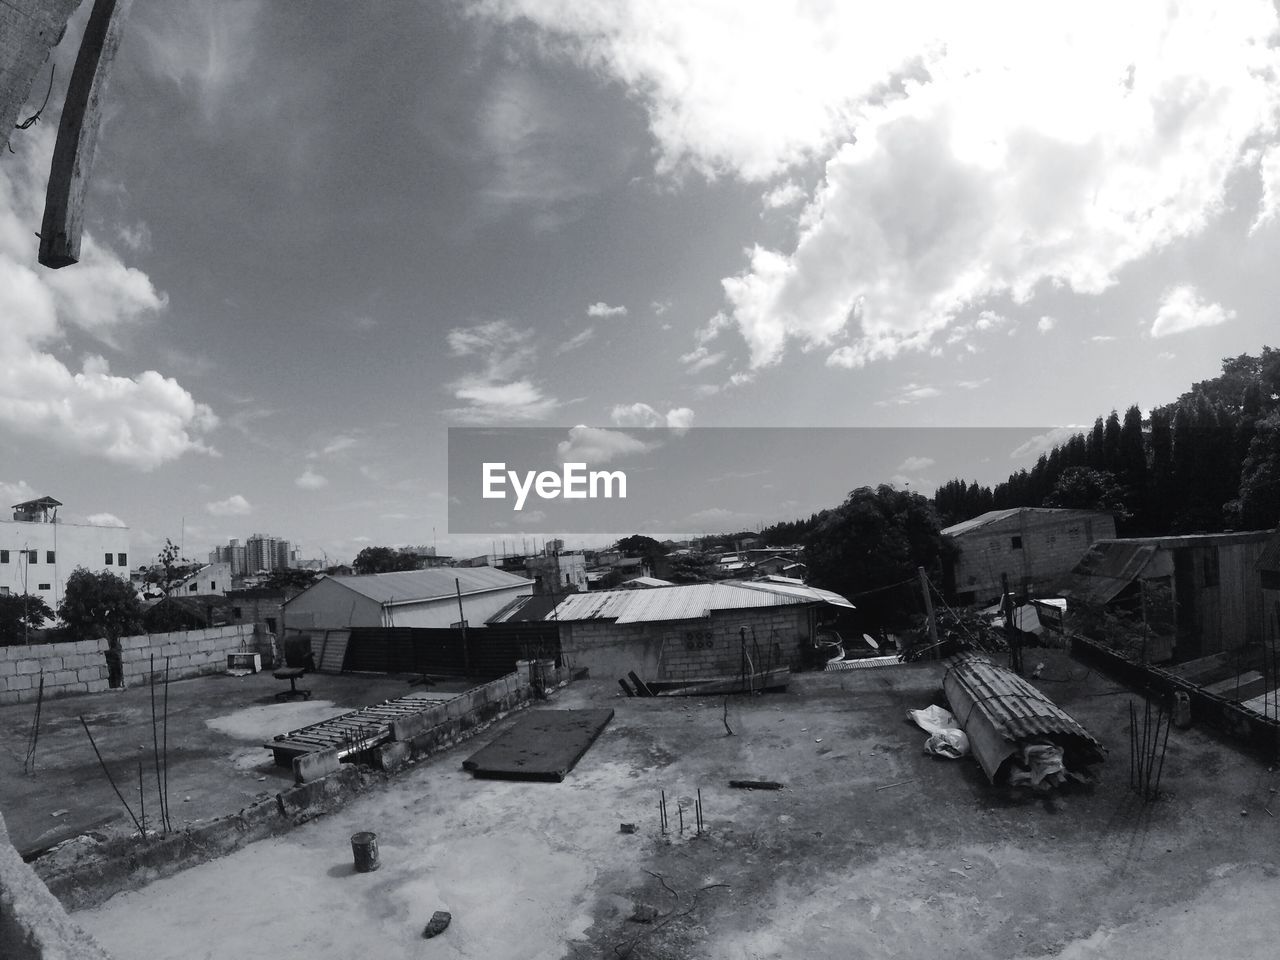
(972, 384)
(915, 464)
(1269, 172)
(1181, 309)
(784, 195)
(19, 492)
(105, 520)
(602, 309)
(337, 445)
(659, 307)
(1045, 324)
(1101, 338)
(310, 480)
(497, 394)
(967, 154)
(577, 340)
(595, 445)
(1044, 442)
(141, 421)
(234, 506)
(643, 415)
(363, 324)
(699, 359)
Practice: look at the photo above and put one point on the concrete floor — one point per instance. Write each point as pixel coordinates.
(217, 765)
(848, 860)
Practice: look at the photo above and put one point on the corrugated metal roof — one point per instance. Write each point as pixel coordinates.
(801, 590)
(1015, 708)
(685, 602)
(413, 586)
(1106, 568)
(994, 516)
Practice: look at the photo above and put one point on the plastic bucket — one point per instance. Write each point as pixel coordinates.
(524, 670)
(1181, 710)
(364, 847)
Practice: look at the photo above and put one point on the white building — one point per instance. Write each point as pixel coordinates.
(39, 550)
(413, 598)
(211, 580)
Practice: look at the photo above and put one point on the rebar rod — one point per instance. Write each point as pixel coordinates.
(110, 779)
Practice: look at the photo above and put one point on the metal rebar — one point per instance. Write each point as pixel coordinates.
(110, 780)
(29, 764)
(168, 821)
(663, 806)
(142, 800)
(680, 815)
(1163, 750)
(699, 810)
(155, 740)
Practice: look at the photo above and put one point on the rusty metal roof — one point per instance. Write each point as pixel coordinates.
(1014, 707)
(801, 590)
(415, 586)
(686, 602)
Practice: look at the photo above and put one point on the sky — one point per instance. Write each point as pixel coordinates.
(321, 234)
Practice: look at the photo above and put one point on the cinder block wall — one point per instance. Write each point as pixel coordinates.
(81, 667)
(689, 649)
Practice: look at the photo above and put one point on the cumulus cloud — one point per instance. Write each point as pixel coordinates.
(234, 506)
(141, 421)
(967, 156)
(1269, 172)
(105, 520)
(1045, 324)
(310, 480)
(497, 393)
(334, 446)
(643, 415)
(911, 393)
(1181, 309)
(602, 309)
(1043, 442)
(16, 492)
(784, 195)
(596, 445)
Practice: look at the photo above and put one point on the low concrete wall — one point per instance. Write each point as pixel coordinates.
(128, 862)
(33, 924)
(81, 667)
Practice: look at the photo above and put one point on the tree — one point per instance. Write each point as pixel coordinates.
(1082, 488)
(638, 545)
(1258, 505)
(384, 560)
(170, 569)
(20, 613)
(99, 604)
(876, 538)
(289, 580)
(689, 568)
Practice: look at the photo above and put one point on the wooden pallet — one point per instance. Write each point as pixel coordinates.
(348, 733)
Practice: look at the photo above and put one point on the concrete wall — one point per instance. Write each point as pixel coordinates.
(688, 649)
(76, 668)
(72, 544)
(29, 29)
(478, 607)
(212, 580)
(33, 924)
(1051, 545)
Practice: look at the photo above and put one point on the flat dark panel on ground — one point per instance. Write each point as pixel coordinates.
(543, 745)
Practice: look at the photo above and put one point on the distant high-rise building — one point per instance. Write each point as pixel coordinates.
(234, 554)
(258, 553)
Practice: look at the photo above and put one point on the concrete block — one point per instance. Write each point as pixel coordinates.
(406, 728)
(98, 685)
(23, 682)
(86, 674)
(393, 755)
(313, 766)
(308, 800)
(61, 678)
(29, 666)
(8, 667)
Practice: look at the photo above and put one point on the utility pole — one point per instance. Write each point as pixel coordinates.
(928, 606)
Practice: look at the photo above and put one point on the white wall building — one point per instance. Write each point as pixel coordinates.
(211, 580)
(39, 550)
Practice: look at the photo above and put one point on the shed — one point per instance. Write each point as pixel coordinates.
(412, 598)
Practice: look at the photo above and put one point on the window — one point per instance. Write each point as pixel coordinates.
(107, 560)
(122, 559)
(193, 588)
(48, 557)
(4, 556)
(271, 624)
(236, 613)
(4, 591)
(1016, 543)
(44, 586)
(33, 556)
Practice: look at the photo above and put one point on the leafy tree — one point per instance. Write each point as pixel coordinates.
(99, 604)
(20, 613)
(1083, 488)
(1258, 505)
(874, 539)
(170, 568)
(638, 545)
(384, 560)
(290, 580)
(689, 568)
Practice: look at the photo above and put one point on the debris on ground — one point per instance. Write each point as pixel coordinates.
(755, 784)
(626, 828)
(643, 913)
(945, 739)
(439, 923)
